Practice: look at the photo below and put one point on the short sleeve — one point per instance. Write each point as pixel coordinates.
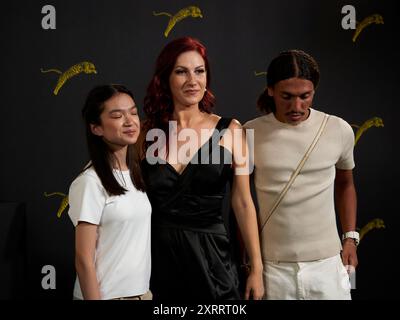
(248, 125)
(86, 200)
(346, 160)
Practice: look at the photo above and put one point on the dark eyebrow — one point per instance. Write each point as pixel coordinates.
(120, 110)
(291, 95)
(201, 66)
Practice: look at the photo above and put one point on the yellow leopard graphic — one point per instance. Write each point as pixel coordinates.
(64, 201)
(373, 122)
(85, 67)
(191, 11)
(373, 224)
(375, 18)
(261, 73)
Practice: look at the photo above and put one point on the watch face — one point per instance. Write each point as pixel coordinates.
(351, 234)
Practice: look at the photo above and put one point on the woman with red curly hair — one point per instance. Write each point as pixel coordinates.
(191, 156)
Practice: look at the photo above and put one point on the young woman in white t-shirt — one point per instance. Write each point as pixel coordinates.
(108, 203)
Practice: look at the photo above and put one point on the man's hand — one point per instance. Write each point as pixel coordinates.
(349, 255)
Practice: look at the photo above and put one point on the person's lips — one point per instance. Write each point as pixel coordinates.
(295, 116)
(129, 132)
(191, 91)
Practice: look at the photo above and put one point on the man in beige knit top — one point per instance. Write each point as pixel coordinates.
(303, 255)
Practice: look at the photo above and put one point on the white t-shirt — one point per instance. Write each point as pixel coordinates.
(303, 227)
(122, 260)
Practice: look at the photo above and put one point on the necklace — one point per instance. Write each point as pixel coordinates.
(120, 174)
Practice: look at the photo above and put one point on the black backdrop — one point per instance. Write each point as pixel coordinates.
(42, 140)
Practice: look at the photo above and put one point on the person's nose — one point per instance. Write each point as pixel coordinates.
(191, 77)
(128, 120)
(297, 104)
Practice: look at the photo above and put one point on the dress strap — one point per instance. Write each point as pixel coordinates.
(223, 123)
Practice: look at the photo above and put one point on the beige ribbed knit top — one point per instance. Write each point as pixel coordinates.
(303, 227)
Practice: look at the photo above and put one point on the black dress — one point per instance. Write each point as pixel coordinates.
(191, 252)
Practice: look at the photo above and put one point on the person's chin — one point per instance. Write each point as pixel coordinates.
(129, 141)
(189, 101)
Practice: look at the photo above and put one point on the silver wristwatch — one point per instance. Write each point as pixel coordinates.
(353, 235)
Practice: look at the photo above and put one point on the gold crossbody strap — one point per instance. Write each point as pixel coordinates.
(297, 171)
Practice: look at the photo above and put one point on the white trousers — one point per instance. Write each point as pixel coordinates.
(325, 279)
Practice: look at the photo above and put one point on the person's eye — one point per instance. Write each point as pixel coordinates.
(286, 97)
(200, 71)
(179, 71)
(116, 116)
(305, 96)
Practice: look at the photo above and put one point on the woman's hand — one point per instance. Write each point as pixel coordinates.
(254, 285)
